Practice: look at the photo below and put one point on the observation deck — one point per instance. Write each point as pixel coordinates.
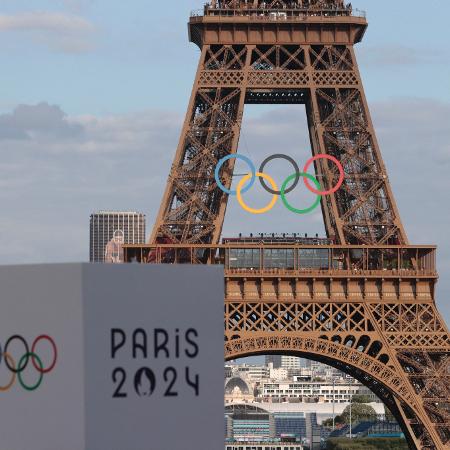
(295, 260)
(216, 23)
(271, 272)
(306, 271)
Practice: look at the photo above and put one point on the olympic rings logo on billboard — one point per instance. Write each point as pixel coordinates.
(17, 368)
(273, 189)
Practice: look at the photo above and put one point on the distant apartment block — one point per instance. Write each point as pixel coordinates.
(284, 362)
(323, 391)
(109, 230)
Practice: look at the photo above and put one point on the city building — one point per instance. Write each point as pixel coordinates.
(323, 411)
(274, 445)
(252, 371)
(315, 383)
(109, 230)
(249, 423)
(321, 391)
(319, 368)
(313, 432)
(283, 361)
(290, 424)
(228, 371)
(238, 389)
(274, 423)
(278, 374)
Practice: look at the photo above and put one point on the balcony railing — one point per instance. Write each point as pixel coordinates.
(318, 260)
(276, 14)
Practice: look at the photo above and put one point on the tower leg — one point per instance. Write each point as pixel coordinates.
(193, 208)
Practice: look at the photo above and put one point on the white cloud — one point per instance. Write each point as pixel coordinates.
(64, 32)
(57, 170)
(398, 55)
(31, 121)
(48, 21)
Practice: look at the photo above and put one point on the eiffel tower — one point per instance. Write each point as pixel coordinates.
(368, 308)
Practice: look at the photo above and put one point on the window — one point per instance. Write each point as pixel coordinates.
(313, 258)
(278, 258)
(240, 258)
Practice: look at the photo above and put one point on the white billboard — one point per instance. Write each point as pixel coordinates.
(105, 357)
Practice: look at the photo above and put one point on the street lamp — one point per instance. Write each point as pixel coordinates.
(351, 400)
(334, 390)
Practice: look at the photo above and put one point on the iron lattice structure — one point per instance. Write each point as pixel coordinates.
(373, 315)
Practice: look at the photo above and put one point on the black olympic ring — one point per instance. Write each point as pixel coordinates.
(24, 360)
(287, 158)
(28, 354)
(27, 351)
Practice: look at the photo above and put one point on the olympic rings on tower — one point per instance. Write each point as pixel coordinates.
(223, 161)
(240, 190)
(287, 158)
(341, 174)
(294, 178)
(286, 203)
(17, 371)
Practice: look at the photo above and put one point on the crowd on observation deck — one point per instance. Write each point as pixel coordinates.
(287, 4)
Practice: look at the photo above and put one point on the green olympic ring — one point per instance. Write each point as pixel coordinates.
(283, 193)
(41, 373)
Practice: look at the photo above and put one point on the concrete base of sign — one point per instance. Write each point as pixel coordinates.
(111, 357)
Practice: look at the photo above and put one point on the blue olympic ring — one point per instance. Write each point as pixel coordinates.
(223, 161)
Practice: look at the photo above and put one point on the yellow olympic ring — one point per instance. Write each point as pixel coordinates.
(241, 201)
(13, 376)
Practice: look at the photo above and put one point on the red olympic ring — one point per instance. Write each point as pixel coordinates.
(55, 352)
(341, 171)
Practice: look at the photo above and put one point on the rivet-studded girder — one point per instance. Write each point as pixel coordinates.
(363, 211)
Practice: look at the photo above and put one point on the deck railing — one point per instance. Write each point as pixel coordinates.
(276, 14)
(326, 260)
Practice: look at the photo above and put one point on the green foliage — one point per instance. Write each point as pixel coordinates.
(359, 398)
(327, 423)
(359, 412)
(367, 444)
(338, 420)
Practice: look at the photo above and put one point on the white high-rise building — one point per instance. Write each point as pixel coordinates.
(290, 362)
(283, 362)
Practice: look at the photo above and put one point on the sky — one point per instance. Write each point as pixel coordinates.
(93, 95)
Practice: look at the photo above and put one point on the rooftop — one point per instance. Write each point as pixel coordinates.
(279, 10)
(104, 212)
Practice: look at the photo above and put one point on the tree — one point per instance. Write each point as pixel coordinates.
(338, 420)
(359, 412)
(360, 398)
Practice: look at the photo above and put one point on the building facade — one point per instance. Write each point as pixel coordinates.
(252, 371)
(276, 445)
(283, 361)
(109, 230)
(321, 391)
(256, 424)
